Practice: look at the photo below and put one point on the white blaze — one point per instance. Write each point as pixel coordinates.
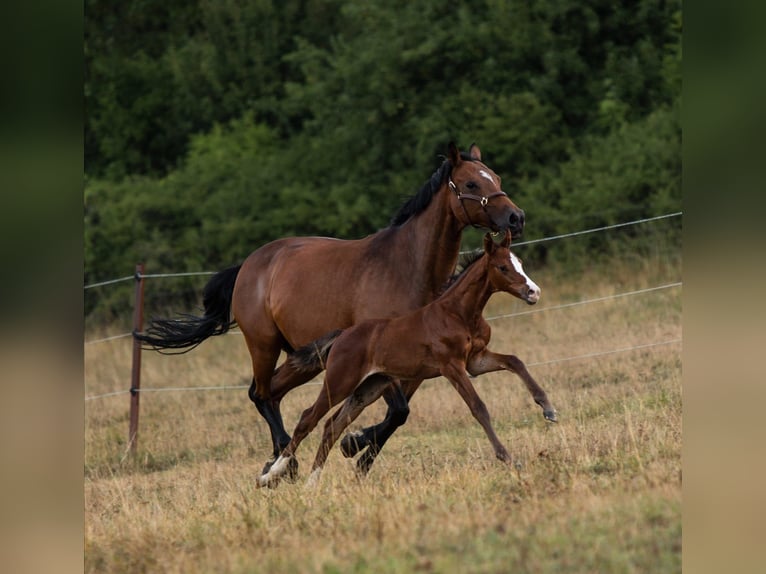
(534, 289)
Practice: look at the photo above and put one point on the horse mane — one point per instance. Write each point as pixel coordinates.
(464, 262)
(418, 202)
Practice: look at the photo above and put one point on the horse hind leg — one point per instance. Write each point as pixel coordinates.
(364, 395)
(294, 372)
(344, 383)
(264, 357)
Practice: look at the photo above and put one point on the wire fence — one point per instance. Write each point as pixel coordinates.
(242, 387)
(135, 391)
(520, 243)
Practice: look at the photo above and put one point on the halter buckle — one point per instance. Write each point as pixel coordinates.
(484, 201)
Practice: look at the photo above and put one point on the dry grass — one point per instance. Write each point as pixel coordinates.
(599, 492)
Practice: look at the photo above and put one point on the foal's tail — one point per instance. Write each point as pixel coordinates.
(188, 331)
(313, 357)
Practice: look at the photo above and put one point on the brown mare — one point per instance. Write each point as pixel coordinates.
(445, 338)
(292, 291)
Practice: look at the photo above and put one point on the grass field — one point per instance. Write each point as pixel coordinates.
(598, 492)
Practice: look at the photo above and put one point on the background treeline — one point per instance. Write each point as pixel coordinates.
(215, 126)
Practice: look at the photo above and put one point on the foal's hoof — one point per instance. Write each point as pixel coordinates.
(551, 416)
(351, 445)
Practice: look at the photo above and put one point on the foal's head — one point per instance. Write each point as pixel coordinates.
(505, 271)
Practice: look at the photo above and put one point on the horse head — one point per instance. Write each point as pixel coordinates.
(478, 198)
(505, 270)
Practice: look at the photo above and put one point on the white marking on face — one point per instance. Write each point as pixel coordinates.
(534, 290)
(484, 174)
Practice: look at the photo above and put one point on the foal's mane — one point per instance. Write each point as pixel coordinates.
(464, 262)
(418, 202)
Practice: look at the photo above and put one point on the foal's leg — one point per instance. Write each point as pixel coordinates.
(283, 380)
(306, 424)
(487, 361)
(365, 394)
(455, 372)
(340, 381)
(374, 437)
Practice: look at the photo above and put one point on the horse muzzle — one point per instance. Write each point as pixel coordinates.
(532, 296)
(516, 223)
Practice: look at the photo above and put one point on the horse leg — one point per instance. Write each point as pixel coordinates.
(487, 361)
(264, 354)
(397, 397)
(339, 383)
(455, 373)
(284, 462)
(284, 379)
(365, 394)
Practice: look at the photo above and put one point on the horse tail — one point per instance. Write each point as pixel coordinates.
(188, 331)
(313, 357)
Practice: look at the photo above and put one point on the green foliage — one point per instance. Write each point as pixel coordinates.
(215, 127)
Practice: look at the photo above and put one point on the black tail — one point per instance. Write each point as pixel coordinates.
(188, 331)
(313, 356)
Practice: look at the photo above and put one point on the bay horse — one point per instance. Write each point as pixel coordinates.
(446, 338)
(292, 291)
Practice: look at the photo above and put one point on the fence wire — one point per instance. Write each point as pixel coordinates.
(540, 363)
(530, 242)
(242, 387)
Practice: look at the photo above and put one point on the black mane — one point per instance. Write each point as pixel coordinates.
(418, 202)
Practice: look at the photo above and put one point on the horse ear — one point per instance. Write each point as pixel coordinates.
(474, 152)
(489, 244)
(506, 239)
(454, 154)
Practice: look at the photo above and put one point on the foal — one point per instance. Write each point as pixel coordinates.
(446, 337)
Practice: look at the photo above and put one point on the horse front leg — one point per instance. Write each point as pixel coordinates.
(373, 438)
(487, 361)
(455, 373)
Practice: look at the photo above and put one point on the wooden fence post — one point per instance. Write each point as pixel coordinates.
(135, 378)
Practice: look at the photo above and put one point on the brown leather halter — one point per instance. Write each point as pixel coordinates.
(482, 199)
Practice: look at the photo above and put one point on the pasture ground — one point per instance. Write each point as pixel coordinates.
(598, 492)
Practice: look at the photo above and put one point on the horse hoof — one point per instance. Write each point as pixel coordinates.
(266, 481)
(350, 445)
(551, 416)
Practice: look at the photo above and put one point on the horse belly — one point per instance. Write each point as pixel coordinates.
(404, 356)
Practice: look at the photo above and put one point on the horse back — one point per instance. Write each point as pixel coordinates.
(306, 286)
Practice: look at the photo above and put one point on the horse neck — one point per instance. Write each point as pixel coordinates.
(469, 294)
(432, 239)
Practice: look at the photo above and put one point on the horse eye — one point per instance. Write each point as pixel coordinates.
(503, 268)
(471, 185)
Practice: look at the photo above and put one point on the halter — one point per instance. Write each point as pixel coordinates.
(482, 199)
